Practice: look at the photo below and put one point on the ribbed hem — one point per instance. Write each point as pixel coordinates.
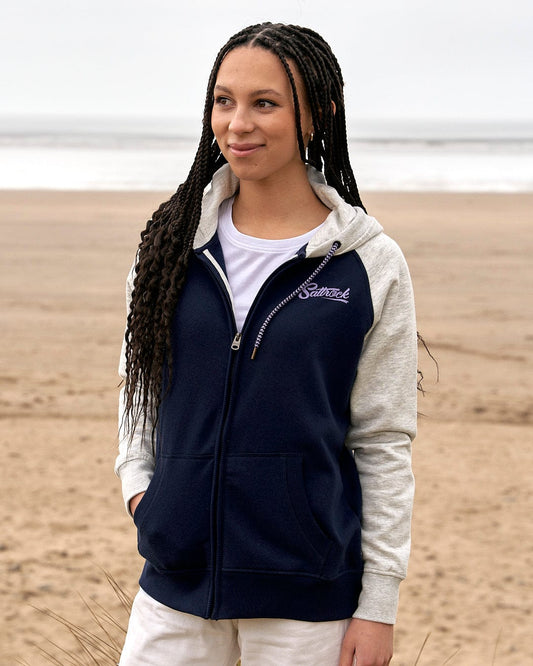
(242, 595)
(379, 598)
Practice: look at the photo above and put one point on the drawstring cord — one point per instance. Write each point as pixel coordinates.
(290, 297)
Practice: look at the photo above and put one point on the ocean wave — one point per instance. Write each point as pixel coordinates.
(38, 160)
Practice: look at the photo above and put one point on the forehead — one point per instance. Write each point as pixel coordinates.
(256, 67)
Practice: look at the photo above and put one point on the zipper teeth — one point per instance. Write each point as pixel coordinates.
(291, 296)
(217, 272)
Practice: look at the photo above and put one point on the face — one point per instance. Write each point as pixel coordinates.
(253, 116)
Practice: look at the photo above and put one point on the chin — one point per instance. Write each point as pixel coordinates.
(243, 172)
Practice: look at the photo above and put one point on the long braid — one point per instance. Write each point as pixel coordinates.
(167, 241)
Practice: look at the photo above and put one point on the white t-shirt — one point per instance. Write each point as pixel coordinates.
(250, 260)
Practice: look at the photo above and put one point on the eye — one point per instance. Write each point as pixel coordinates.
(265, 104)
(220, 100)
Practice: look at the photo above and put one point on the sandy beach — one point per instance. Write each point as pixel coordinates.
(63, 263)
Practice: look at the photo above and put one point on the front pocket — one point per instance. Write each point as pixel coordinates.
(268, 524)
(173, 517)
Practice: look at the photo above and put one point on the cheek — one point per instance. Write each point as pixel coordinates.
(216, 122)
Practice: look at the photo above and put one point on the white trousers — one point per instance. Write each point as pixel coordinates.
(160, 636)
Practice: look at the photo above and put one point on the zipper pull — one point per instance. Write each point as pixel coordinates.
(236, 342)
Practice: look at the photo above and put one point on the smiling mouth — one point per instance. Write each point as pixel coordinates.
(244, 149)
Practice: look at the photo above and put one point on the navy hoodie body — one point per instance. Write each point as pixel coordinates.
(254, 505)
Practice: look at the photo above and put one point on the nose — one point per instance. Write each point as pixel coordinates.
(241, 121)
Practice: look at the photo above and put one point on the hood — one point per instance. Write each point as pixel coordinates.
(347, 224)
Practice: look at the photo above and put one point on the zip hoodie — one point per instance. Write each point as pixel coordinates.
(281, 484)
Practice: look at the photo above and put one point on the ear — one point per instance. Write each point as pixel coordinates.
(333, 107)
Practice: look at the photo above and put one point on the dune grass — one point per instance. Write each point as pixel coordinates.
(99, 646)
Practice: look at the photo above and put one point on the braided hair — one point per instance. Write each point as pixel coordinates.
(167, 241)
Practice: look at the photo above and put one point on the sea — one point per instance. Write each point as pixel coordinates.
(89, 153)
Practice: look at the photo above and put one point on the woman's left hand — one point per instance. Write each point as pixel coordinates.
(370, 643)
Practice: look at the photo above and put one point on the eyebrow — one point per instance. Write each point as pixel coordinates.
(261, 91)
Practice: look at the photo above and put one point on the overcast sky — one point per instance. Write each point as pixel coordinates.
(406, 59)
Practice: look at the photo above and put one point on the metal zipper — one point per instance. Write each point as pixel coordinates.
(235, 345)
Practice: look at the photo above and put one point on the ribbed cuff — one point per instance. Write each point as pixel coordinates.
(378, 600)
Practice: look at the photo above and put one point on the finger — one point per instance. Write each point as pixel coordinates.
(347, 657)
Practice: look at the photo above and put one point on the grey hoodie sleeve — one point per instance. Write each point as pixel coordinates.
(383, 406)
(135, 462)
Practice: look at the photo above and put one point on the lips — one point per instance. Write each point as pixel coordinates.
(244, 149)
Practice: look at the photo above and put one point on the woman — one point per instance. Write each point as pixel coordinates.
(270, 384)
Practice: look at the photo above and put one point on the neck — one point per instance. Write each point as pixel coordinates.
(276, 210)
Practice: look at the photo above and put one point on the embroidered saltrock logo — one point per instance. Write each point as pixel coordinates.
(331, 293)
